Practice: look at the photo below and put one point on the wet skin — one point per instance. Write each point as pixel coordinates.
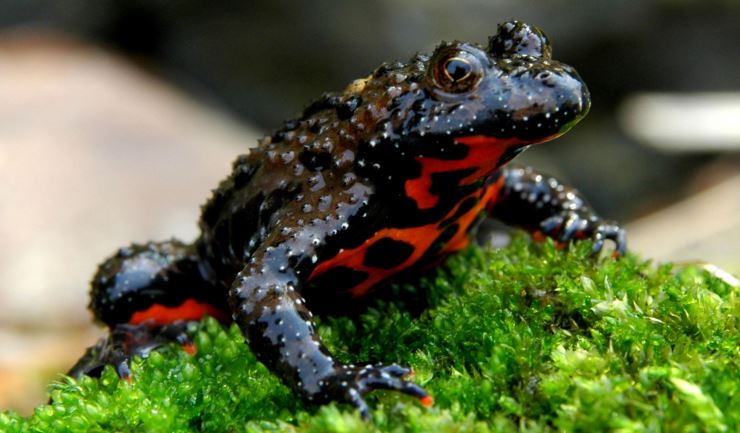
(384, 179)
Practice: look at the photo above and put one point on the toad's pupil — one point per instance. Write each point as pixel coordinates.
(457, 69)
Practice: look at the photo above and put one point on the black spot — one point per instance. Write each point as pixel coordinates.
(387, 253)
(449, 232)
(464, 207)
(243, 172)
(288, 125)
(446, 185)
(348, 107)
(314, 127)
(339, 279)
(315, 161)
(324, 102)
(440, 242)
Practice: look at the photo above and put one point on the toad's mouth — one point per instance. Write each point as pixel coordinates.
(496, 142)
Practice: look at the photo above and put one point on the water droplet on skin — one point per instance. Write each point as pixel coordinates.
(287, 157)
(325, 202)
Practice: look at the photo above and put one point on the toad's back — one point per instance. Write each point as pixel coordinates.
(299, 184)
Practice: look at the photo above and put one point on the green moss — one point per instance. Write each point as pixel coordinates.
(528, 338)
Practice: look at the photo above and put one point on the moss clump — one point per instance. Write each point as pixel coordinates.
(527, 338)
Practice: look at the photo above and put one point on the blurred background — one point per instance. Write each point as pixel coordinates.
(117, 117)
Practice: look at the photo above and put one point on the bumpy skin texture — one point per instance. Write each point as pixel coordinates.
(386, 178)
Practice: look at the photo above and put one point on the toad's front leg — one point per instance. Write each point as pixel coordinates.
(270, 311)
(542, 204)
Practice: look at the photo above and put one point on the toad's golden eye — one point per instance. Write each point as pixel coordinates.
(456, 71)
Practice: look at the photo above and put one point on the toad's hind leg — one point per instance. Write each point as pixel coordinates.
(146, 294)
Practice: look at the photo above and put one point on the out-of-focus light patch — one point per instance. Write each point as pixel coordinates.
(683, 122)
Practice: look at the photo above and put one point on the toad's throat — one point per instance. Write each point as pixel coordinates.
(484, 157)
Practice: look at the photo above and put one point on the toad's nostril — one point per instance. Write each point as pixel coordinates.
(546, 78)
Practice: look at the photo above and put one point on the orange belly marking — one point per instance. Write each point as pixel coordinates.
(188, 310)
(420, 238)
(461, 239)
(483, 155)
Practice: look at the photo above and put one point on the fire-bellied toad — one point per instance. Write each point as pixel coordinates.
(389, 176)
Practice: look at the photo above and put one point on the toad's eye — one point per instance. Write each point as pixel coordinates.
(457, 69)
(456, 72)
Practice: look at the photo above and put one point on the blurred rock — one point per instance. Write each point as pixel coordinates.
(29, 360)
(94, 154)
(702, 228)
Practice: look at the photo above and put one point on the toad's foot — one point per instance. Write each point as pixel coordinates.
(126, 341)
(350, 384)
(572, 226)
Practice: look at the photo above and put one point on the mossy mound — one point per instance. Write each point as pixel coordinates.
(527, 338)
